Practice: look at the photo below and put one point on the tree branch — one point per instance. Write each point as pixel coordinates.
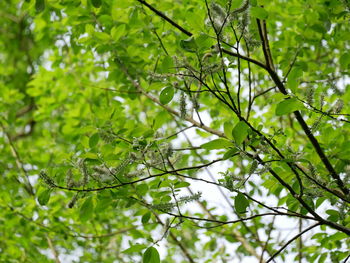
(291, 240)
(167, 108)
(165, 18)
(53, 249)
(281, 87)
(27, 185)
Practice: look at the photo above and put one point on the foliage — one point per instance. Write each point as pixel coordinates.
(174, 131)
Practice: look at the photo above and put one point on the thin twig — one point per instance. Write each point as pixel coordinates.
(300, 243)
(19, 163)
(300, 119)
(169, 109)
(53, 249)
(291, 240)
(165, 18)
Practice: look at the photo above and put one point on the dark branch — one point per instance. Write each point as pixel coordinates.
(291, 240)
(165, 18)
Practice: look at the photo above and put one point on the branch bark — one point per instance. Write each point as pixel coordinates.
(53, 249)
(27, 185)
(271, 70)
(291, 240)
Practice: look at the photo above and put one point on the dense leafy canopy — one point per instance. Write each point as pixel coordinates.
(180, 131)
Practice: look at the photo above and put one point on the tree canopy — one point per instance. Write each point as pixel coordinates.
(174, 131)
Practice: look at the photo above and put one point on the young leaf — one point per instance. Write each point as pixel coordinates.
(181, 184)
(96, 3)
(188, 45)
(90, 29)
(217, 144)
(167, 65)
(166, 95)
(230, 153)
(102, 36)
(259, 12)
(333, 215)
(241, 203)
(228, 126)
(146, 217)
(118, 32)
(134, 248)
(93, 140)
(293, 78)
(240, 132)
(151, 255)
(39, 5)
(44, 197)
(204, 42)
(89, 155)
(345, 60)
(287, 106)
(87, 209)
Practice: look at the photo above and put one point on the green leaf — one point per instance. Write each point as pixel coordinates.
(167, 65)
(322, 258)
(240, 132)
(87, 209)
(142, 189)
(39, 5)
(188, 44)
(134, 248)
(345, 60)
(228, 127)
(216, 144)
(181, 185)
(320, 200)
(253, 2)
(259, 12)
(146, 217)
(338, 236)
(287, 106)
(90, 29)
(96, 3)
(160, 119)
(89, 155)
(195, 20)
(93, 140)
(151, 255)
(230, 153)
(118, 32)
(319, 28)
(102, 36)
(334, 215)
(241, 203)
(166, 95)
(293, 78)
(204, 42)
(44, 196)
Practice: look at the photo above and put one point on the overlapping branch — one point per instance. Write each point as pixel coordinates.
(269, 67)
